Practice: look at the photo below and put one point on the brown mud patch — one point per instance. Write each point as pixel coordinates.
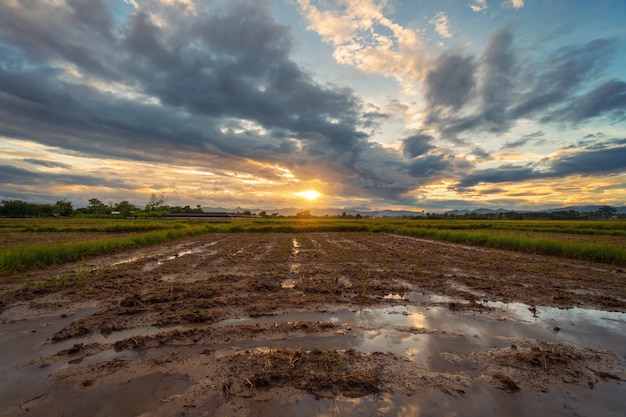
(277, 324)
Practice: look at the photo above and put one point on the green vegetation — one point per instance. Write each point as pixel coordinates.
(37, 255)
(597, 241)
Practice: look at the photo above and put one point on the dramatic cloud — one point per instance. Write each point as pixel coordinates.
(564, 72)
(532, 137)
(218, 84)
(363, 37)
(451, 81)
(219, 100)
(598, 159)
(493, 94)
(608, 99)
(417, 145)
(17, 176)
(47, 164)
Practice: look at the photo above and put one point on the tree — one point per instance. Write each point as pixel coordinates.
(63, 208)
(125, 208)
(606, 212)
(97, 207)
(14, 208)
(156, 202)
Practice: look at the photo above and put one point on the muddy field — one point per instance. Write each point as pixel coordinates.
(314, 324)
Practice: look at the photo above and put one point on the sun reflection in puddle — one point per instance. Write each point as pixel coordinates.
(402, 328)
(288, 283)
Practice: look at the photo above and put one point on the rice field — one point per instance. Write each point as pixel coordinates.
(35, 243)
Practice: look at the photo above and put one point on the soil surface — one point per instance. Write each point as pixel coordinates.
(314, 324)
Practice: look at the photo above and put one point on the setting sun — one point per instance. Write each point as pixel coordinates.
(309, 194)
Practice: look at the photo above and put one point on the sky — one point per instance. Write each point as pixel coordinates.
(391, 104)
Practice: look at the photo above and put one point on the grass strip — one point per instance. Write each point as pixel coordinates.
(106, 228)
(26, 257)
(595, 252)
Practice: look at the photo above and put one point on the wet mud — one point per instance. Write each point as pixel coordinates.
(314, 324)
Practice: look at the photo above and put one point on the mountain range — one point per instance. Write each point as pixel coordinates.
(292, 211)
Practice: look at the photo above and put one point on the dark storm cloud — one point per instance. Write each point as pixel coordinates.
(608, 99)
(496, 91)
(46, 163)
(92, 15)
(510, 89)
(10, 175)
(504, 173)
(523, 140)
(563, 73)
(218, 83)
(598, 159)
(450, 83)
(491, 98)
(417, 145)
(238, 65)
(45, 32)
(426, 166)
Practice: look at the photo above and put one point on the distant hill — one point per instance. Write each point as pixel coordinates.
(329, 211)
(585, 209)
(580, 209)
(478, 211)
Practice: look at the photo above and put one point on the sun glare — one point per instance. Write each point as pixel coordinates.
(309, 194)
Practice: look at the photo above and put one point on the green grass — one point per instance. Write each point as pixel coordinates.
(595, 252)
(38, 255)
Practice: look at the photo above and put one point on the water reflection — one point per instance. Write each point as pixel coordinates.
(428, 335)
(482, 400)
(400, 329)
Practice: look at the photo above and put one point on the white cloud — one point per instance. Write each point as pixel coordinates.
(440, 20)
(363, 37)
(479, 5)
(516, 4)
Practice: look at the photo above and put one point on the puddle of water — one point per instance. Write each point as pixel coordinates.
(172, 257)
(420, 333)
(127, 261)
(590, 328)
(153, 265)
(294, 267)
(288, 283)
(432, 298)
(138, 396)
(423, 298)
(21, 342)
(606, 400)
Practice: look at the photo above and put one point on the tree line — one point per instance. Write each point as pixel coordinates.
(156, 206)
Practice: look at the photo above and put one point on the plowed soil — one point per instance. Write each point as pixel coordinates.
(268, 324)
